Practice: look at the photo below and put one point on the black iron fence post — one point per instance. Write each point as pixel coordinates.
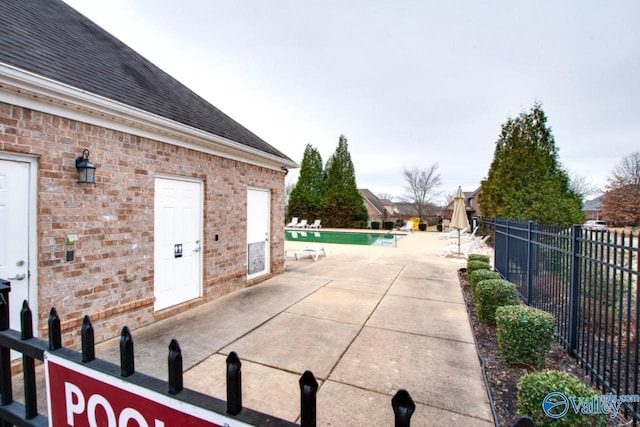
(127, 361)
(403, 407)
(175, 368)
(88, 340)
(28, 365)
(234, 384)
(529, 273)
(308, 389)
(55, 330)
(506, 250)
(6, 390)
(574, 291)
(5, 288)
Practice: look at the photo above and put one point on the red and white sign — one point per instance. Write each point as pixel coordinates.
(82, 397)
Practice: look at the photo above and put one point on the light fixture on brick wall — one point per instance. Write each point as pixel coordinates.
(86, 169)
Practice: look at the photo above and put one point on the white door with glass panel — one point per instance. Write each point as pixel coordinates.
(178, 241)
(14, 236)
(258, 232)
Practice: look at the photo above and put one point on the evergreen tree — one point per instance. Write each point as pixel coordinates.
(525, 180)
(343, 204)
(305, 200)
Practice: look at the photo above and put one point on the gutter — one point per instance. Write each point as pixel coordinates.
(32, 91)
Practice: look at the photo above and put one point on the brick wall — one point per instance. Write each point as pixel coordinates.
(114, 219)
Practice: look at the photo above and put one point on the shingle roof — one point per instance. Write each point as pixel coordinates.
(592, 205)
(51, 39)
(372, 198)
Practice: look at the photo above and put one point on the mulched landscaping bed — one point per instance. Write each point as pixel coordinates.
(503, 379)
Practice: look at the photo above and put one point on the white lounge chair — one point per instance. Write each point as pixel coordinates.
(448, 250)
(316, 224)
(452, 233)
(294, 222)
(301, 224)
(407, 227)
(312, 251)
(464, 236)
(477, 246)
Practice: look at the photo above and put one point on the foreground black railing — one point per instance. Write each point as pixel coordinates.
(32, 349)
(589, 281)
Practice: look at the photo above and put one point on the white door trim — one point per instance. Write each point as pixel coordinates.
(200, 231)
(267, 231)
(33, 230)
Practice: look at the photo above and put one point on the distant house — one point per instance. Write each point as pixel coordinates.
(376, 209)
(471, 204)
(406, 210)
(592, 209)
(390, 207)
(386, 210)
(187, 205)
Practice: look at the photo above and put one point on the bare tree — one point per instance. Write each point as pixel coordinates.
(288, 186)
(581, 186)
(621, 202)
(385, 196)
(421, 185)
(448, 199)
(626, 171)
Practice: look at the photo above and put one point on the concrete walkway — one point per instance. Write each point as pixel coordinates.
(366, 321)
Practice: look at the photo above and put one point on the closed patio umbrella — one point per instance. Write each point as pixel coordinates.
(459, 219)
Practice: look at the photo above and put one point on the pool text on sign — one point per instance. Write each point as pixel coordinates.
(79, 397)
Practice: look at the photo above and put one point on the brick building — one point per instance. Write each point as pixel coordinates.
(187, 205)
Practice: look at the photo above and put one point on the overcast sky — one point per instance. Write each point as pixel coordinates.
(409, 83)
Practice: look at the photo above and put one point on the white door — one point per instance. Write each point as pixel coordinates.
(258, 234)
(14, 235)
(178, 241)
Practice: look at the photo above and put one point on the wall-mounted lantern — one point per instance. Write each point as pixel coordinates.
(86, 169)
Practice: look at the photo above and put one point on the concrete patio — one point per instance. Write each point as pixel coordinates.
(366, 321)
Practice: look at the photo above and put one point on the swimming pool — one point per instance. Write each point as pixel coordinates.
(342, 237)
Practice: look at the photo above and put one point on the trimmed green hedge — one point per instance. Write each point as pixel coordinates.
(525, 334)
(478, 276)
(388, 225)
(375, 225)
(494, 293)
(534, 387)
(479, 257)
(477, 265)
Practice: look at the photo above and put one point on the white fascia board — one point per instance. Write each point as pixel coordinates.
(29, 90)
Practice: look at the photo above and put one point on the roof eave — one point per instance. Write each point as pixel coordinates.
(33, 91)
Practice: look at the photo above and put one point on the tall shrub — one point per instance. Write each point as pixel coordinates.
(535, 387)
(525, 334)
(477, 265)
(478, 276)
(492, 294)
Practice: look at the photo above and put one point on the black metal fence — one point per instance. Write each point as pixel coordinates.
(32, 349)
(589, 281)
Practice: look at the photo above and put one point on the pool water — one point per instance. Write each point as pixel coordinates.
(342, 237)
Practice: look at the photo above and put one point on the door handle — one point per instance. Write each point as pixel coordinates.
(18, 277)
